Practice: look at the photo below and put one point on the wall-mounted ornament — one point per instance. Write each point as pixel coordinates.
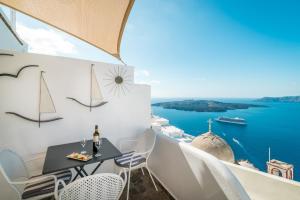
(46, 104)
(6, 54)
(18, 73)
(118, 81)
(96, 98)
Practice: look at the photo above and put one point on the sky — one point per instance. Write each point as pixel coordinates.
(197, 48)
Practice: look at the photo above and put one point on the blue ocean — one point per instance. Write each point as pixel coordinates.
(276, 126)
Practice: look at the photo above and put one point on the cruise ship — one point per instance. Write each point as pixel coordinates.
(236, 120)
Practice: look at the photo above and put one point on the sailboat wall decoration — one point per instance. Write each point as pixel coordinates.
(20, 70)
(6, 54)
(46, 104)
(18, 73)
(96, 98)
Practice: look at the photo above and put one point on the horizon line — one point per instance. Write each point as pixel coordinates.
(222, 97)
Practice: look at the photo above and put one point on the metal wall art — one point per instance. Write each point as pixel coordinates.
(118, 81)
(20, 70)
(46, 104)
(96, 98)
(6, 54)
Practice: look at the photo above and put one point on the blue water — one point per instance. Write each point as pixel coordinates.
(276, 126)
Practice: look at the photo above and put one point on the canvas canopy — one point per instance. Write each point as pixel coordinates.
(99, 22)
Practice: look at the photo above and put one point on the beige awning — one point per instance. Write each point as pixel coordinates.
(99, 22)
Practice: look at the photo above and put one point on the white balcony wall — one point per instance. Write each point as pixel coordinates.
(125, 115)
(263, 186)
(189, 173)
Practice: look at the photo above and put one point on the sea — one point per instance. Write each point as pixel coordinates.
(276, 126)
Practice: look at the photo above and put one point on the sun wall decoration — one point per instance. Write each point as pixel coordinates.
(118, 81)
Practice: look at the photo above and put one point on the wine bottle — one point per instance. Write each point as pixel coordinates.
(96, 139)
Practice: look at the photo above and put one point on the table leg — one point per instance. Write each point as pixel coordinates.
(97, 167)
(78, 173)
(82, 169)
(82, 173)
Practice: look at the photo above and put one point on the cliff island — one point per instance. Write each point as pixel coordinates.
(286, 99)
(204, 105)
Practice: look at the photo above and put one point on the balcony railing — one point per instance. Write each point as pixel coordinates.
(192, 178)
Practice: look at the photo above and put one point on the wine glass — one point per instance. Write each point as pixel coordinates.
(83, 143)
(98, 145)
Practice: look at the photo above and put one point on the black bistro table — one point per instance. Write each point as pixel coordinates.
(56, 159)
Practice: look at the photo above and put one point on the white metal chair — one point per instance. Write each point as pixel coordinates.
(104, 186)
(138, 158)
(16, 175)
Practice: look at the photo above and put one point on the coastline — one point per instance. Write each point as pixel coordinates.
(266, 128)
(205, 105)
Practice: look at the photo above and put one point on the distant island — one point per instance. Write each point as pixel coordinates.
(293, 99)
(204, 105)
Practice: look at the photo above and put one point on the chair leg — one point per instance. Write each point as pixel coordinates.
(143, 171)
(151, 178)
(123, 171)
(128, 184)
(125, 175)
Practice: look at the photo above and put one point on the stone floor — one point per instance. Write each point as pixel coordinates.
(142, 188)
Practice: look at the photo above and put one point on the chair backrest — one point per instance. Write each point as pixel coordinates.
(100, 186)
(146, 141)
(12, 166)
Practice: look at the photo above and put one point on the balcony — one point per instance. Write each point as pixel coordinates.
(182, 171)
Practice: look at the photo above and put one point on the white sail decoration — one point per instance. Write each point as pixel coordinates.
(46, 103)
(96, 98)
(96, 95)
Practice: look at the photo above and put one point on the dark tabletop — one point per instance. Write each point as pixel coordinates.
(56, 155)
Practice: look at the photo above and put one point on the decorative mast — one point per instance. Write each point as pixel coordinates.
(46, 104)
(95, 92)
(91, 87)
(96, 97)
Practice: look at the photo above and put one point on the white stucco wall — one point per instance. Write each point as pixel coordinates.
(189, 173)
(123, 115)
(262, 186)
(191, 177)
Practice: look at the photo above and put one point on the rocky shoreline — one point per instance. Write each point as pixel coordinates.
(204, 105)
